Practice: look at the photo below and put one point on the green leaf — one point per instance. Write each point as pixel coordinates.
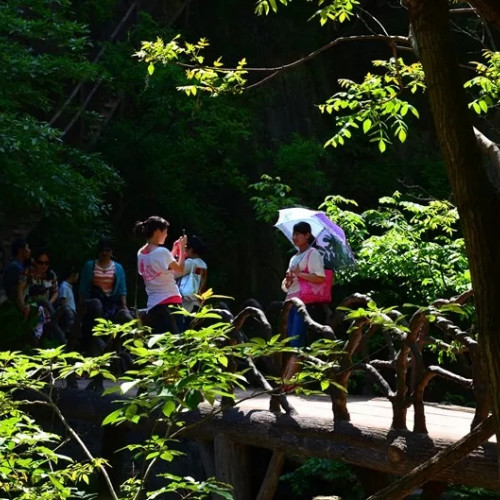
(126, 386)
(113, 417)
(151, 68)
(168, 408)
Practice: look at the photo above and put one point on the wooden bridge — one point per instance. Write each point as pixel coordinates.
(226, 438)
(372, 434)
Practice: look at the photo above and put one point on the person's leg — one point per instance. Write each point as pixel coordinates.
(296, 328)
(123, 316)
(65, 318)
(161, 320)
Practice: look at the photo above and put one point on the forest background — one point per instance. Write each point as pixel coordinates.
(138, 147)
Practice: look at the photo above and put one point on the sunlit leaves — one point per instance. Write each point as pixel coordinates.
(263, 7)
(336, 10)
(486, 84)
(410, 250)
(375, 104)
(211, 78)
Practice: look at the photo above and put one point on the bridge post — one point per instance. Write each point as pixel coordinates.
(232, 465)
(269, 485)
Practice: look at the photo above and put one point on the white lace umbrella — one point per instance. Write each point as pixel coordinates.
(330, 238)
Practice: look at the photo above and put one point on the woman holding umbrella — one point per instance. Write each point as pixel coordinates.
(305, 279)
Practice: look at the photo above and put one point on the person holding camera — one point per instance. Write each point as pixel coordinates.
(159, 267)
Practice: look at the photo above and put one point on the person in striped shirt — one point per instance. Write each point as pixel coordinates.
(102, 293)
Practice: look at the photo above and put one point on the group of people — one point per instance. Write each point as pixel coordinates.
(38, 310)
(171, 277)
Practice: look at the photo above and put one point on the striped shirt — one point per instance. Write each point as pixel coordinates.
(104, 277)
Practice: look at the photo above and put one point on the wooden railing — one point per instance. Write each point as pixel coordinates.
(226, 434)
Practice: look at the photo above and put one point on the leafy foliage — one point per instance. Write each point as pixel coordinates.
(409, 251)
(487, 83)
(375, 104)
(43, 52)
(303, 479)
(338, 10)
(214, 79)
(172, 374)
(272, 196)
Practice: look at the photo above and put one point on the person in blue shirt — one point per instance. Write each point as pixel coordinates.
(17, 321)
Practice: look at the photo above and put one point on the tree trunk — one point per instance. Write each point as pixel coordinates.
(477, 200)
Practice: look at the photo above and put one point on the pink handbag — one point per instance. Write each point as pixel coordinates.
(316, 292)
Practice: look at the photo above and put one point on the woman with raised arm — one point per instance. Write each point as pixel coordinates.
(158, 268)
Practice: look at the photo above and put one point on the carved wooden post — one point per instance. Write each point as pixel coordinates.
(270, 483)
(232, 465)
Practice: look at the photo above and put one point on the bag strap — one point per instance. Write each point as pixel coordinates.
(307, 260)
(188, 277)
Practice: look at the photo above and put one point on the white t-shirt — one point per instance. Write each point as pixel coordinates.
(311, 259)
(158, 279)
(191, 281)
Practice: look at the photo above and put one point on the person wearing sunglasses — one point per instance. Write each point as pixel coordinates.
(39, 281)
(38, 289)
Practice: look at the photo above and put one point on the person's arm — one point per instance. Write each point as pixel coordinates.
(316, 269)
(203, 282)
(123, 301)
(178, 265)
(85, 279)
(21, 293)
(313, 278)
(54, 289)
(287, 281)
(120, 288)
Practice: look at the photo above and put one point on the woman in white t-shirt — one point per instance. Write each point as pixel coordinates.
(158, 268)
(305, 279)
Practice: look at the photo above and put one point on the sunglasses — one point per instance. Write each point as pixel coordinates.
(43, 262)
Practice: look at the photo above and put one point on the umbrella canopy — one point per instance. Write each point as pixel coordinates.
(329, 237)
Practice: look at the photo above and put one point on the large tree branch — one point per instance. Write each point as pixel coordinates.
(491, 158)
(438, 463)
(489, 10)
(392, 40)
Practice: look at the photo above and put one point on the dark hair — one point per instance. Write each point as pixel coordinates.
(150, 225)
(304, 228)
(17, 245)
(67, 272)
(196, 243)
(104, 243)
(41, 251)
